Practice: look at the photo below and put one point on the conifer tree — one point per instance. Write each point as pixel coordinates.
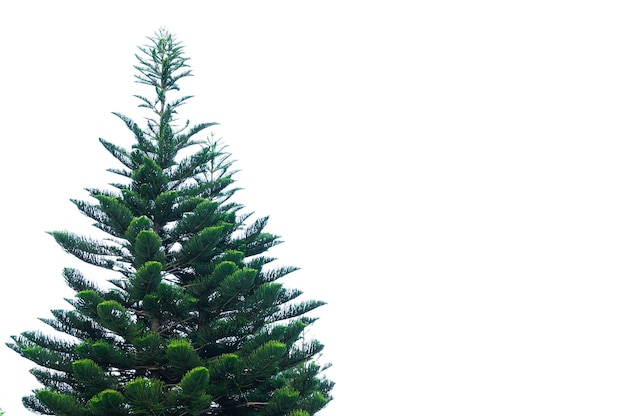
(194, 322)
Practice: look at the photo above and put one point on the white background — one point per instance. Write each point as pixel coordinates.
(449, 175)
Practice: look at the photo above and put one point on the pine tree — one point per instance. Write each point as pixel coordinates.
(194, 322)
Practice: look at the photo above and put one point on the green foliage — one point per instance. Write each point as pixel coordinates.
(298, 413)
(91, 378)
(61, 404)
(195, 322)
(191, 392)
(108, 402)
(181, 357)
(146, 280)
(145, 396)
(148, 247)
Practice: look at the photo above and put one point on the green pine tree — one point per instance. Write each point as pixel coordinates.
(194, 323)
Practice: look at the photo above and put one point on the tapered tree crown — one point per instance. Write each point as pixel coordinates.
(195, 321)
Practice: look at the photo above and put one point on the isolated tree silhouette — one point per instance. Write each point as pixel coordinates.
(195, 323)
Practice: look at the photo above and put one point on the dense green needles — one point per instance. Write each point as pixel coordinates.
(195, 323)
